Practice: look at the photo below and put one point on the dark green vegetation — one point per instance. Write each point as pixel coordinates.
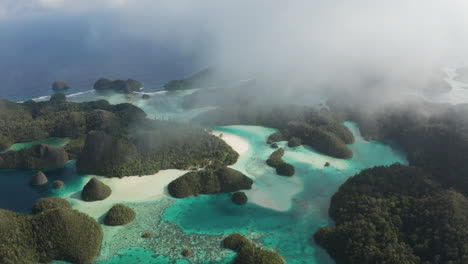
(50, 203)
(95, 190)
(31, 121)
(56, 233)
(317, 128)
(434, 136)
(119, 86)
(209, 182)
(282, 168)
(396, 214)
(110, 140)
(199, 80)
(40, 156)
(119, 214)
(249, 253)
(60, 86)
(154, 146)
(58, 98)
(294, 142)
(239, 198)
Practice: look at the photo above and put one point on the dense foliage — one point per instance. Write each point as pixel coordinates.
(39, 156)
(249, 253)
(294, 142)
(119, 214)
(53, 234)
(95, 190)
(209, 182)
(58, 98)
(198, 80)
(282, 168)
(154, 146)
(119, 86)
(435, 136)
(317, 128)
(31, 121)
(50, 203)
(110, 140)
(396, 214)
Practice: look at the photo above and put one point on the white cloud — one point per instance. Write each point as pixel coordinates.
(327, 40)
(18, 8)
(50, 3)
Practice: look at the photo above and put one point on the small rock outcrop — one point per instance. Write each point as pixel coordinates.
(119, 86)
(38, 178)
(249, 253)
(145, 96)
(187, 252)
(146, 235)
(282, 168)
(209, 182)
(95, 190)
(239, 198)
(58, 184)
(60, 86)
(274, 145)
(119, 214)
(50, 203)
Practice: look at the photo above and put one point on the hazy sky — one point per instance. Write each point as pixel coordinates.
(346, 43)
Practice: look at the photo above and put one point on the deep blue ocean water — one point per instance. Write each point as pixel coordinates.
(79, 49)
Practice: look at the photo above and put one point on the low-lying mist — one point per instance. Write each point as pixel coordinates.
(376, 49)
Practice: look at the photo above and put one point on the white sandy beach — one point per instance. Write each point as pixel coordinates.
(237, 143)
(276, 192)
(128, 189)
(318, 160)
(144, 188)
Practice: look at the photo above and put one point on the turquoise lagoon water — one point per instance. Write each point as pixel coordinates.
(202, 222)
(160, 105)
(56, 142)
(287, 232)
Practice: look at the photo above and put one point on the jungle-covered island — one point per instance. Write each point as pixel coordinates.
(233, 132)
(119, 86)
(413, 213)
(396, 214)
(204, 78)
(317, 128)
(282, 168)
(53, 232)
(405, 214)
(98, 132)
